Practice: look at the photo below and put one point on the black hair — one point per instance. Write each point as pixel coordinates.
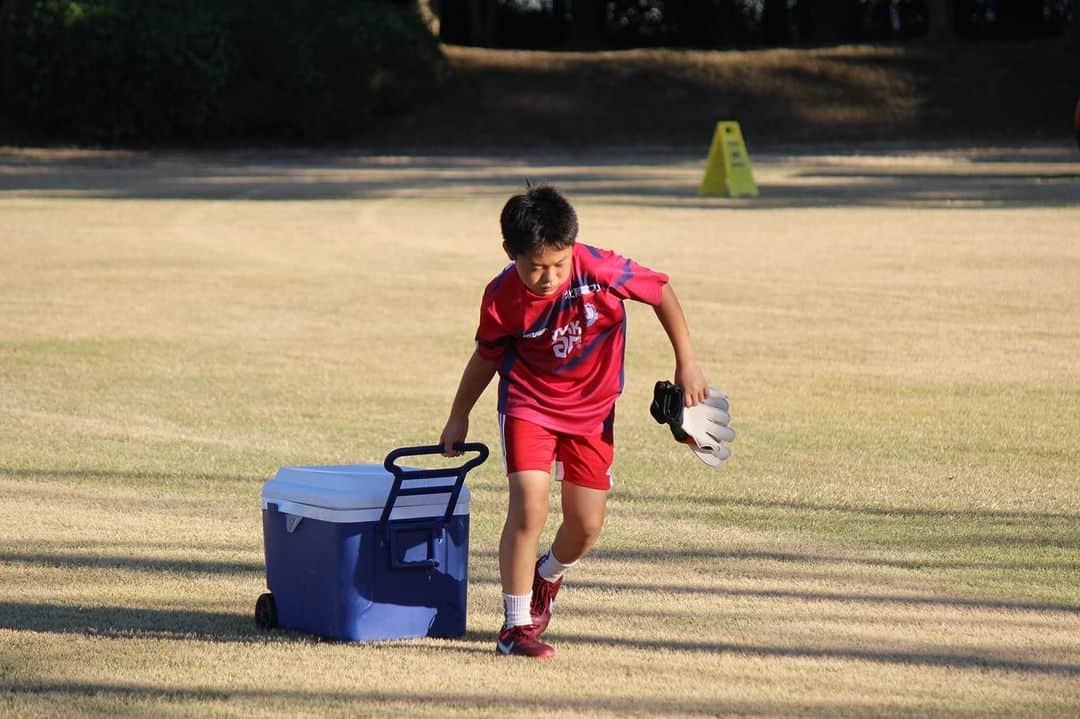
(539, 217)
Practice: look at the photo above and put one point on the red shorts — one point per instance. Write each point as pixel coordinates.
(584, 460)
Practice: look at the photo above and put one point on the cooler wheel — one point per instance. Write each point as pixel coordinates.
(266, 612)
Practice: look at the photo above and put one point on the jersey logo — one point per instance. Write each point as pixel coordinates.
(591, 315)
(564, 339)
(581, 290)
(533, 335)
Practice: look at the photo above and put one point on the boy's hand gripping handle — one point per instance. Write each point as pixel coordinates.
(403, 474)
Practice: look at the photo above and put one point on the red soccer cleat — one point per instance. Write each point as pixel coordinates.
(543, 597)
(523, 641)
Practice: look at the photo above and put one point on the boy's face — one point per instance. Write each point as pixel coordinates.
(544, 270)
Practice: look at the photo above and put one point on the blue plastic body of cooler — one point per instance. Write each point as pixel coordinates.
(355, 582)
(336, 571)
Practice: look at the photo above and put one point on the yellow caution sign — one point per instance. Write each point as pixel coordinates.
(727, 173)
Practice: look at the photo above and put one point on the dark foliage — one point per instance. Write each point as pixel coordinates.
(182, 70)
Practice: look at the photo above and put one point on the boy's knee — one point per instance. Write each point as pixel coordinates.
(528, 516)
(586, 525)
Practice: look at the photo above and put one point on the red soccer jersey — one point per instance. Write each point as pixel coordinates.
(560, 356)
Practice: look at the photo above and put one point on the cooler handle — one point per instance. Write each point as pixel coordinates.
(402, 474)
(431, 562)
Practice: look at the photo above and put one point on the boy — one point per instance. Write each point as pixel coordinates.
(552, 324)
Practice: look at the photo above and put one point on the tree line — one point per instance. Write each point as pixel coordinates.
(726, 24)
(209, 70)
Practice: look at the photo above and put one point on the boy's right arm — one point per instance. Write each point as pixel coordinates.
(474, 380)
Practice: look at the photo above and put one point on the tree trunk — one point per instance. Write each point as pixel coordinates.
(805, 26)
(829, 21)
(587, 26)
(558, 9)
(1072, 29)
(774, 23)
(704, 23)
(476, 22)
(483, 23)
(429, 11)
(941, 20)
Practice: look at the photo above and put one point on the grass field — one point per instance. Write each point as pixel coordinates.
(897, 534)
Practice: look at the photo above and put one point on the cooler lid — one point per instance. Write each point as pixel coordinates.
(354, 486)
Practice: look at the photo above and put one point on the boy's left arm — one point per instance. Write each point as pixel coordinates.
(688, 374)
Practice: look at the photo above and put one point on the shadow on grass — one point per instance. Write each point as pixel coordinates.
(673, 554)
(39, 473)
(816, 596)
(901, 512)
(366, 700)
(604, 611)
(181, 544)
(127, 622)
(321, 176)
(813, 596)
(1001, 540)
(118, 622)
(130, 563)
(884, 656)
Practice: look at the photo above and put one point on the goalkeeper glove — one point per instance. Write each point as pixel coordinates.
(703, 427)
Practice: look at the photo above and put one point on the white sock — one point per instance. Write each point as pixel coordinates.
(517, 609)
(551, 568)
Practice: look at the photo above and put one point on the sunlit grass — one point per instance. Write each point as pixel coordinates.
(896, 534)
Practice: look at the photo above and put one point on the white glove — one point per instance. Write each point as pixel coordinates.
(702, 427)
(706, 424)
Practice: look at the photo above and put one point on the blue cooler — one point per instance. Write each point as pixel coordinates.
(366, 551)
